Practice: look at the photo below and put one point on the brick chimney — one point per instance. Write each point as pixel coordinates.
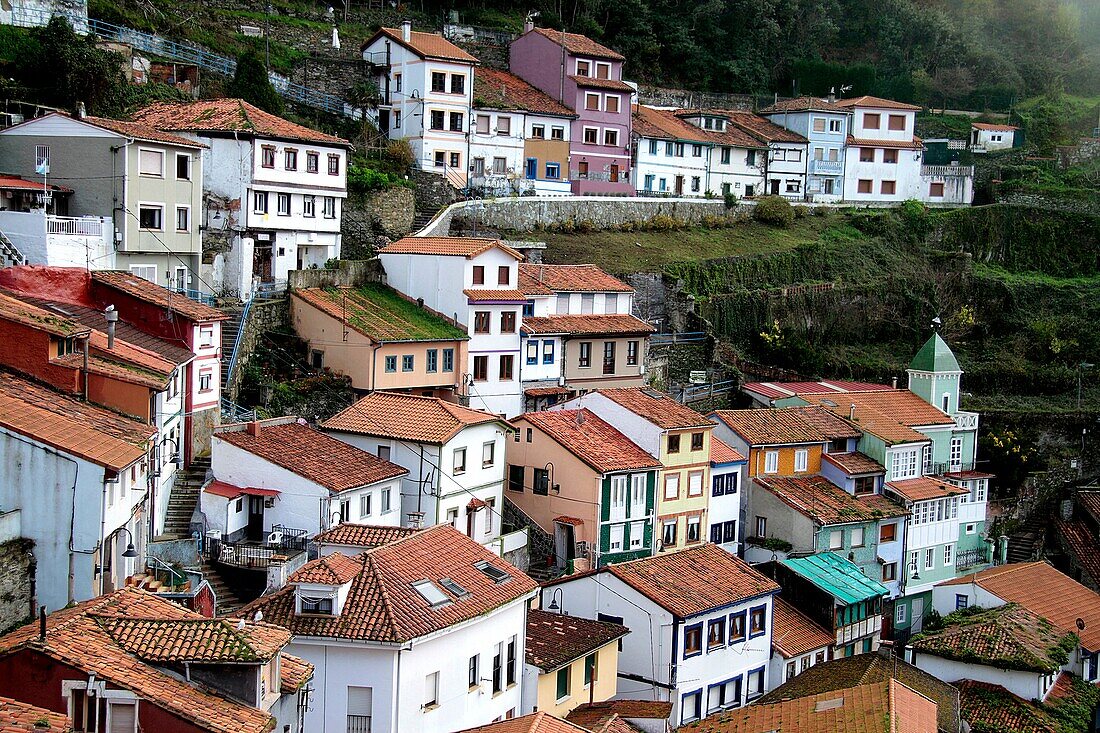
(406, 30)
(254, 428)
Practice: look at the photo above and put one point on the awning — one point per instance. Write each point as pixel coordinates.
(547, 391)
(568, 520)
(475, 504)
(229, 491)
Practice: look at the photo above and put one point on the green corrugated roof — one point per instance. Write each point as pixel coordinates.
(935, 356)
(835, 575)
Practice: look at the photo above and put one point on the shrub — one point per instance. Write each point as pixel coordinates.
(730, 200)
(821, 211)
(774, 210)
(400, 154)
(664, 223)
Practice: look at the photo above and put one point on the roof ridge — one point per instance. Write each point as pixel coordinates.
(387, 603)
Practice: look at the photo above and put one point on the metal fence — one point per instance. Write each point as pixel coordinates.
(259, 555)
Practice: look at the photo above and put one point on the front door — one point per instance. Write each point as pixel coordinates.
(679, 185)
(565, 545)
(255, 530)
(775, 187)
(829, 186)
(917, 618)
(614, 173)
(384, 121)
(261, 262)
(532, 170)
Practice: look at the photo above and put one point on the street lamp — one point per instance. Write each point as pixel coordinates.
(129, 552)
(555, 601)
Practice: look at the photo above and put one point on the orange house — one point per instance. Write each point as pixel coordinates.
(784, 441)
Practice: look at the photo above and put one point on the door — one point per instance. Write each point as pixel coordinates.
(829, 186)
(531, 171)
(565, 545)
(261, 262)
(775, 187)
(917, 617)
(679, 185)
(614, 173)
(255, 530)
(384, 121)
(750, 190)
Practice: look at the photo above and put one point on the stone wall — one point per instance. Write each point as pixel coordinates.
(263, 316)
(432, 192)
(1086, 149)
(540, 544)
(663, 97)
(1085, 205)
(348, 273)
(17, 568)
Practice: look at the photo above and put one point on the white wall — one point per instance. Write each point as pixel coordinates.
(644, 433)
(1028, 685)
(665, 168)
(725, 508)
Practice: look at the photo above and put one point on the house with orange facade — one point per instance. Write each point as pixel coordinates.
(584, 484)
(381, 339)
(677, 436)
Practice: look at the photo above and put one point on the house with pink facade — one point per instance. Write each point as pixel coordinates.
(586, 77)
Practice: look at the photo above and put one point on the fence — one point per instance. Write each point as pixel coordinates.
(671, 339)
(704, 391)
(256, 555)
(82, 227)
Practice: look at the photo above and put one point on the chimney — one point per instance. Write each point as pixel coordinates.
(832, 95)
(254, 428)
(81, 111)
(852, 411)
(419, 302)
(406, 30)
(42, 624)
(528, 25)
(886, 648)
(416, 520)
(112, 318)
(894, 382)
(580, 417)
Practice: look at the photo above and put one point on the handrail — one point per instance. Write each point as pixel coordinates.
(237, 340)
(172, 572)
(236, 413)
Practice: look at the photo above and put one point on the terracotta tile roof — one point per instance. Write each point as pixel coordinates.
(334, 569)
(496, 89)
(380, 313)
(361, 535)
(819, 499)
(968, 475)
(875, 102)
(892, 415)
(590, 714)
(586, 324)
(93, 318)
(82, 429)
(863, 669)
(486, 296)
(657, 407)
(993, 128)
(779, 390)
(427, 45)
(591, 82)
(75, 637)
(793, 633)
(138, 131)
(15, 183)
(407, 417)
(863, 142)
(988, 707)
(883, 707)
(199, 640)
(782, 425)
(590, 439)
(1045, 592)
(546, 391)
(1004, 637)
(1090, 502)
(854, 463)
(562, 519)
(554, 639)
(693, 581)
(123, 361)
(150, 292)
(580, 45)
(14, 309)
(541, 279)
(721, 452)
(228, 116)
(540, 722)
(732, 136)
(762, 128)
(294, 673)
(19, 717)
(311, 454)
(663, 124)
(1082, 544)
(804, 104)
(382, 604)
(446, 247)
(923, 488)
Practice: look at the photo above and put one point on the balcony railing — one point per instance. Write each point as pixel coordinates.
(972, 558)
(938, 469)
(87, 226)
(966, 420)
(947, 170)
(283, 542)
(358, 724)
(827, 167)
(620, 177)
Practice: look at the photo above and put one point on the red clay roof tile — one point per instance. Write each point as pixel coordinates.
(427, 45)
(657, 407)
(446, 247)
(590, 714)
(14, 308)
(863, 142)
(663, 124)
(150, 292)
(578, 44)
(496, 89)
(19, 717)
(138, 131)
(590, 439)
(819, 499)
(782, 425)
(891, 414)
(793, 633)
(380, 313)
(554, 639)
(199, 640)
(721, 452)
(854, 463)
(1005, 637)
(228, 116)
(803, 104)
(923, 488)
(407, 417)
(540, 279)
(874, 102)
(349, 534)
(539, 722)
(587, 324)
(989, 707)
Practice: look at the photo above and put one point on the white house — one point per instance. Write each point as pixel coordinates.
(671, 156)
(788, 154)
(883, 156)
(727, 477)
(474, 281)
(1042, 590)
(425, 90)
(1006, 645)
(797, 643)
(454, 457)
(702, 645)
(519, 137)
(825, 125)
(425, 634)
(985, 137)
(737, 160)
(74, 479)
(282, 473)
(273, 190)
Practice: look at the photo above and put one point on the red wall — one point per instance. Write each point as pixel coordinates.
(125, 397)
(27, 350)
(69, 284)
(35, 678)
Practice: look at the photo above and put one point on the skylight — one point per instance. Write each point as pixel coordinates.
(453, 588)
(828, 403)
(653, 393)
(495, 574)
(431, 593)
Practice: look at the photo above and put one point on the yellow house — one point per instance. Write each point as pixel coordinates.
(570, 660)
(679, 437)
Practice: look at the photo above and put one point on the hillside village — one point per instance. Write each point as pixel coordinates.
(282, 450)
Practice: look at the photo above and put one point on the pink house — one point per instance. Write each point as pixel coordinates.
(587, 78)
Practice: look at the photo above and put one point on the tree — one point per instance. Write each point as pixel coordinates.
(955, 83)
(251, 83)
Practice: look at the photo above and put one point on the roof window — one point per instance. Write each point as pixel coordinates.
(453, 588)
(493, 573)
(431, 593)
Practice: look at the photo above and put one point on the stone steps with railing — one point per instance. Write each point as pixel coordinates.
(10, 256)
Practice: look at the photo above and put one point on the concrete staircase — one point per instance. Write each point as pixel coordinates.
(185, 498)
(10, 256)
(228, 602)
(231, 330)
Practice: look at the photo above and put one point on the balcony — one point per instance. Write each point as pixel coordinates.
(358, 724)
(826, 167)
(973, 558)
(63, 241)
(966, 420)
(282, 545)
(947, 171)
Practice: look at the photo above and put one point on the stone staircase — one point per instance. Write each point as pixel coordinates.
(422, 219)
(1026, 543)
(228, 602)
(231, 330)
(185, 498)
(10, 256)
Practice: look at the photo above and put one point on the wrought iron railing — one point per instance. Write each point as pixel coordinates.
(283, 542)
(947, 170)
(358, 724)
(972, 558)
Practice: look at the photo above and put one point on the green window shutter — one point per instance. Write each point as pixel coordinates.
(605, 502)
(605, 538)
(647, 540)
(563, 682)
(651, 492)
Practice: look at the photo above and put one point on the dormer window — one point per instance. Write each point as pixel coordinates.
(431, 593)
(319, 606)
(65, 346)
(584, 68)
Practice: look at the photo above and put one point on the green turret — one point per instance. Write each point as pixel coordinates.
(934, 375)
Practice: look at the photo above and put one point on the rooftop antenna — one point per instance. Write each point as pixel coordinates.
(936, 323)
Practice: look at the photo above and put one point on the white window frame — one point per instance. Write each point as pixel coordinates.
(613, 132)
(637, 535)
(153, 151)
(836, 539)
(190, 162)
(948, 555)
(151, 205)
(801, 460)
(458, 461)
(257, 197)
(615, 537)
(900, 613)
(618, 498)
(695, 483)
(771, 461)
(672, 480)
(930, 554)
(187, 211)
(588, 97)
